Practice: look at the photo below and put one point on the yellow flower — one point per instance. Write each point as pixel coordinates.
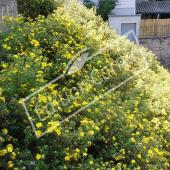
(139, 156)
(84, 154)
(64, 64)
(38, 156)
(77, 150)
(4, 46)
(50, 64)
(20, 101)
(96, 127)
(15, 70)
(163, 112)
(32, 55)
(39, 125)
(8, 48)
(82, 134)
(113, 169)
(4, 65)
(15, 56)
(150, 152)
(106, 128)
(102, 121)
(10, 19)
(89, 110)
(95, 97)
(44, 65)
(58, 131)
(32, 90)
(13, 153)
(91, 132)
(6, 39)
(2, 98)
(133, 139)
(4, 131)
(1, 90)
(96, 109)
(123, 151)
(10, 164)
(35, 43)
(38, 132)
(114, 138)
(3, 152)
(91, 162)
(67, 120)
(124, 165)
(27, 66)
(9, 149)
(23, 85)
(138, 168)
(67, 158)
(167, 164)
(133, 161)
(84, 103)
(131, 125)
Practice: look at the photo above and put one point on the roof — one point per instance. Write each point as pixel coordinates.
(157, 7)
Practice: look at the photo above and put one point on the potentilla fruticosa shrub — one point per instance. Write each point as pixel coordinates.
(127, 128)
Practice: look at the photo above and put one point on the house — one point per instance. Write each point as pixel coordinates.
(153, 9)
(124, 18)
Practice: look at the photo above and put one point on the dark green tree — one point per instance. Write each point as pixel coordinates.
(104, 7)
(32, 8)
(88, 3)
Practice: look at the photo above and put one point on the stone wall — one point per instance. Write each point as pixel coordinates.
(160, 46)
(8, 8)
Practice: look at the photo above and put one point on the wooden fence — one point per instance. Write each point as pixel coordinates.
(155, 27)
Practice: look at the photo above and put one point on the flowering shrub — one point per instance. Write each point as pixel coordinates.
(126, 129)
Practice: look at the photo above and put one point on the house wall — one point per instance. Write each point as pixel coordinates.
(124, 7)
(115, 22)
(160, 46)
(95, 1)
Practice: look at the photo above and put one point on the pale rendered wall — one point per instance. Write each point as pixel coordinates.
(115, 22)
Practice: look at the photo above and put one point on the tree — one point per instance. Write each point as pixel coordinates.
(104, 7)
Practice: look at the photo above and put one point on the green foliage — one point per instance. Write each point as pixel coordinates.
(105, 7)
(126, 129)
(89, 4)
(32, 8)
